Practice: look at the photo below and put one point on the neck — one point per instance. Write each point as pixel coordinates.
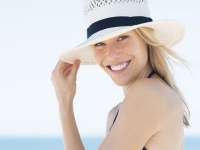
(143, 74)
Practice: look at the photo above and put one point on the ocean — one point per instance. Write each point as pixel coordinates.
(56, 143)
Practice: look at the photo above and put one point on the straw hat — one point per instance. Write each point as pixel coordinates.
(106, 19)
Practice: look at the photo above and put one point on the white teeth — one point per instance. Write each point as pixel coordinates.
(119, 67)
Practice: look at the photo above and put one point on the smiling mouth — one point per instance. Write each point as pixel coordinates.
(119, 66)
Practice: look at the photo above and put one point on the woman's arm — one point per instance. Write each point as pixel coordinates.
(64, 81)
(72, 140)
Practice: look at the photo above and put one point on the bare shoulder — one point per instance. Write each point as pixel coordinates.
(155, 97)
(146, 117)
(153, 90)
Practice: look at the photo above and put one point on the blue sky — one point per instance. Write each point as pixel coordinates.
(34, 33)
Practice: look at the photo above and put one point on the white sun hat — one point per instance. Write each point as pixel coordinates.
(106, 19)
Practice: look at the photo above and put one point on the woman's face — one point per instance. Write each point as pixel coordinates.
(124, 58)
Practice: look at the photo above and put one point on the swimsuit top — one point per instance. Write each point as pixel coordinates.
(149, 76)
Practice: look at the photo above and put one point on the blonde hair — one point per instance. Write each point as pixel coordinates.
(161, 58)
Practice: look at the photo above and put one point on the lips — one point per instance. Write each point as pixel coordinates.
(120, 66)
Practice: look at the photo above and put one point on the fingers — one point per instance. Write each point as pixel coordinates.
(65, 69)
(75, 68)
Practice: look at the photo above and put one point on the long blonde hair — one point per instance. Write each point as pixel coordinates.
(161, 58)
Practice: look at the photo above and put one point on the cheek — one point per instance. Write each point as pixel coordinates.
(97, 56)
(131, 49)
(144, 51)
(138, 52)
(143, 56)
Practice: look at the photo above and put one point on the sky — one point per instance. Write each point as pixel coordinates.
(32, 35)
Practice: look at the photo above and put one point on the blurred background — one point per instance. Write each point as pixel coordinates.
(32, 35)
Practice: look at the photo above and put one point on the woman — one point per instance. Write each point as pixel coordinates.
(135, 52)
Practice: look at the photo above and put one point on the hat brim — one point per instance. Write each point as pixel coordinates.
(168, 32)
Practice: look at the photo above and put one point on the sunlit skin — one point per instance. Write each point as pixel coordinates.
(151, 113)
(130, 51)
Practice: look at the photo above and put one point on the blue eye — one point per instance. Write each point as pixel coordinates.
(99, 44)
(122, 38)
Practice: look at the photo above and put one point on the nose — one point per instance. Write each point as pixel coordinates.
(113, 51)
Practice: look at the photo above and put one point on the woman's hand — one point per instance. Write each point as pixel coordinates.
(64, 82)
